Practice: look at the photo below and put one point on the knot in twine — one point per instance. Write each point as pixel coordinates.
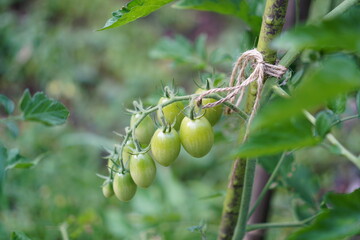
(260, 68)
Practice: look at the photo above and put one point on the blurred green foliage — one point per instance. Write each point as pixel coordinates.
(52, 46)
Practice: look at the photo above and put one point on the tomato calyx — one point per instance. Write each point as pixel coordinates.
(194, 114)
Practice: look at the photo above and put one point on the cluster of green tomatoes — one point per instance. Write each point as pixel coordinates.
(134, 166)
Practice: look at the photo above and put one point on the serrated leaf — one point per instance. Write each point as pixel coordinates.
(338, 104)
(278, 137)
(324, 122)
(132, 11)
(238, 8)
(342, 33)
(19, 236)
(336, 75)
(40, 108)
(340, 220)
(7, 103)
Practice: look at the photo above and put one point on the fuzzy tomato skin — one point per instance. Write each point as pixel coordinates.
(171, 112)
(107, 190)
(124, 186)
(213, 114)
(144, 130)
(142, 169)
(197, 136)
(165, 146)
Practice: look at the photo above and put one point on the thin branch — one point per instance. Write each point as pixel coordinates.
(302, 223)
(267, 185)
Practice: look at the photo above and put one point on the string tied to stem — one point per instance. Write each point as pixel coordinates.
(238, 80)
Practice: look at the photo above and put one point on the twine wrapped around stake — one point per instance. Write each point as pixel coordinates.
(260, 68)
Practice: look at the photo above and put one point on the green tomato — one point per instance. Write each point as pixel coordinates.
(124, 186)
(107, 189)
(196, 136)
(144, 130)
(110, 165)
(171, 112)
(127, 150)
(213, 114)
(142, 169)
(165, 146)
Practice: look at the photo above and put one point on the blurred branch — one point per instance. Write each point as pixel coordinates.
(253, 227)
(63, 230)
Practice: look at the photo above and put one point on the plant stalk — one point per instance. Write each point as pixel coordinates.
(238, 193)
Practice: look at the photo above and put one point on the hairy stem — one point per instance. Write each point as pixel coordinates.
(241, 177)
(272, 24)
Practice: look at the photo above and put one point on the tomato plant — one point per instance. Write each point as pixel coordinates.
(196, 136)
(107, 189)
(213, 114)
(165, 146)
(172, 112)
(281, 111)
(145, 130)
(142, 169)
(127, 151)
(124, 186)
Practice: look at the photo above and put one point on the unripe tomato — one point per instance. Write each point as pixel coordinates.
(107, 189)
(144, 130)
(124, 186)
(165, 146)
(127, 150)
(171, 112)
(110, 165)
(212, 114)
(196, 136)
(142, 169)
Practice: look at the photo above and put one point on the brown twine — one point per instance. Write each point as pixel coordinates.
(260, 68)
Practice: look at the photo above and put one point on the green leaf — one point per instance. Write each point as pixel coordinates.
(19, 236)
(12, 127)
(269, 163)
(340, 220)
(304, 184)
(342, 32)
(8, 105)
(338, 104)
(324, 122)
(16, 160)
(40, 108)
(293, 175)
(238, 8)
(335, 75)
(181, 50)
(132, 11)
(278, 137)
